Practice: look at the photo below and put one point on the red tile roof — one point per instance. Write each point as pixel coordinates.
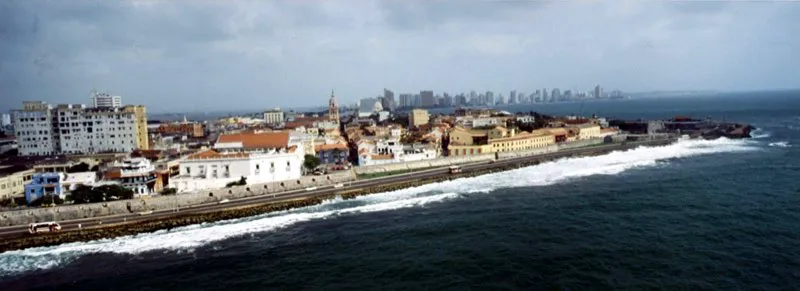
(212, 154)
(326, 147)
(278, 139)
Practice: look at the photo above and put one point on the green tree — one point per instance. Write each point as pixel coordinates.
(46, 200)
(311, 162)
(85, 194)
(242, 181)
(82, 167)
(169, 191)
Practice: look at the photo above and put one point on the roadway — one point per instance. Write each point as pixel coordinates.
(97, 222)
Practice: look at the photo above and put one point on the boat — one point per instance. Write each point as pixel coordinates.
(40, 227)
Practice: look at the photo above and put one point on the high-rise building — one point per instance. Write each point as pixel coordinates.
(388, 100)
(555, 95)
(42, 129)
(512, 97)
(598, 92)
(545, 96)
(489, 98)
(427, 99)
(104, 100)
(406, 100)
(417, 101)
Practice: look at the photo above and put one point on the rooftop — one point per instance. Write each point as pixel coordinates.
(278, 139)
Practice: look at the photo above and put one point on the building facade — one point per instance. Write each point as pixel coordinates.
(260, 158)
(337, 153)
(465, 142)
(42, 129)
(274, 117)
(12, 184)
(42, 184)
(191, 129)
(104, 100)
(418, 117)
(137, 174)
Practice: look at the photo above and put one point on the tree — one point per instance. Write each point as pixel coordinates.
(242, 181)
(169, 191)
(311, 162)
(85, 194)
(46, 199)
(82, 167)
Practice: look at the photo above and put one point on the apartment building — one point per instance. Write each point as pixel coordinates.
(43, 129)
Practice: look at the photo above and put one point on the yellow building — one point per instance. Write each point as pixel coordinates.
(464, 142)
(588, 131)
(140, 116)
(418, 117)
(12, 184)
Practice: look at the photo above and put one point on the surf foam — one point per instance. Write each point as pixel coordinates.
(190, 237)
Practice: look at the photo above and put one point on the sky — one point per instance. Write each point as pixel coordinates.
(178, 56)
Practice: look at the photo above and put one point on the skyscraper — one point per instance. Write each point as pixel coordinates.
(406, 100)
(512, 97)
(388, 100)
(598, 92)
(427, 99)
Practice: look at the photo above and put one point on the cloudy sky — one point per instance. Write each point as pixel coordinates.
(203, 55)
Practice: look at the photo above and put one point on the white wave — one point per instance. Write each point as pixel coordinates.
(190, 237)
(780, 144)
(759, 134)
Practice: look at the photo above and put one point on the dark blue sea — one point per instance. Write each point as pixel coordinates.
(721, 214)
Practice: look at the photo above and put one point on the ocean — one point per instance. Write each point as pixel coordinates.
(722, 214)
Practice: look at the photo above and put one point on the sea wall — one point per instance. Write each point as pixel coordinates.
(417, 165)
(69, 212)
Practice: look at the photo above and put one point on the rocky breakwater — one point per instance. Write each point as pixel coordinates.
(126, 229)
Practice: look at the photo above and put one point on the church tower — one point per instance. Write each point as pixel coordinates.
(333, 110)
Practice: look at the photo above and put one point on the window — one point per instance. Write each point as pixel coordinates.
(188, 170)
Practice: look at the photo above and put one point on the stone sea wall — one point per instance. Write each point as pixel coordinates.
(69, 212)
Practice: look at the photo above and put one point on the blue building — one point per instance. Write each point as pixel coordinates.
(42, 184)
(336, 154)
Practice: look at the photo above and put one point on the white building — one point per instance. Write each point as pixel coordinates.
(137, 174)
(260, 158)
(526, 119)
(104, 100)
(5, 120)
(42, 129)
(71, 181)
(34, 130)
(274, 117)
(391, 150)
(369, 106)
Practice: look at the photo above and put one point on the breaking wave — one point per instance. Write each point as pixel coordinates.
(780, 144)
(191, 237)
(759, 134)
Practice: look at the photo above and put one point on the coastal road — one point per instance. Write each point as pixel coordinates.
(95, 222)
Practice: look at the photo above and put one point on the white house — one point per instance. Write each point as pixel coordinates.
(391, 150)
(258, 157)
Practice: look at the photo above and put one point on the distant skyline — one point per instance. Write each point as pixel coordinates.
(179, 56)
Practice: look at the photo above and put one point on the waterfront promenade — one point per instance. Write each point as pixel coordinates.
(13, 235)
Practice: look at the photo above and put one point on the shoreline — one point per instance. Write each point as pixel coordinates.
(145, 224)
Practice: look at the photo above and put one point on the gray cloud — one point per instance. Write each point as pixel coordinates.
(203, 55)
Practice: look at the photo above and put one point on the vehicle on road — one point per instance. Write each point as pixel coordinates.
(311, 188)
(340, 185)
(146, 212)
(224, 201)
(455, 169)
(51, 226)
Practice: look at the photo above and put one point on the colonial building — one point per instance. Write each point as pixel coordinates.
(464, 142)
(391, 150)
(136, 174)
(337, 153)
(258, 157)
(13, 180)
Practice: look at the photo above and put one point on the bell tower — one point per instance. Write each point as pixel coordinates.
(333, 109)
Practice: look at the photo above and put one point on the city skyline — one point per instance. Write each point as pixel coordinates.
(176, 56)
